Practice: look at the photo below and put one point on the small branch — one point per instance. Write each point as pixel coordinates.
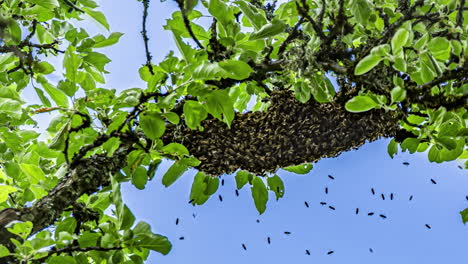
(292, 35)
(73, 6)
(450, 75)
(304, 11)
(145, 36)
(460, 13)
(322, 12)
(187, 23)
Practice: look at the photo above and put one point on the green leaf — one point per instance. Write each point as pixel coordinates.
(398, 94)
(34, 173)
(61, 260)
(361, 11)
(194, 113)
(4, 251)
(242, 177)
(440, 48)
(174, 172)
(43, 67)
(175, 149)
(59, 97)
(101, 41)
(410, 144)
(360, 103)
(140, 178)
(464, 215)
(392, 148)
(301, 92)
(367, 64)
(5, 190)
(219, 105)
(276, 185)
(221, 11)
(98, 16)
(88, 239)
(237, 70)
(255, 16)
(11, 108)
(68, 225)
(197, 192)
(153, 242)
(153, 126)
(400, 64)
(22, 229)
(322, 89)
(208, 71)
(49, 4)
(399, 40)
(300, 169)
(98, 60)
(172, 117)
(259, 194)
(126, 218)
(212, 184)
(276, 27)
(446, 142)
(71, 63)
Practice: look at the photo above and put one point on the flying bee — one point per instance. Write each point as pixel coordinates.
(433, 181)
(237, 192)
(330, 252)
(331, 207)
(306, 204)
(307, 252)
(222, 182)
(268, 240)
(326, 190)
(181, 238)
(323, 203)
(371, 213)
(383, 196)
(331, 177)
(287, 232)
(391, 196)
(411, 197)
(243, 245)
(220, 198)
(406, 163)
(191, 201)
(466, 197)
(357, 210)
(383, 216)
(371, 250)
(258, 220)
(177, 221)
(373, 191)
(428, 226)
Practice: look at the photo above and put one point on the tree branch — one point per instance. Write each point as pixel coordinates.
(145, 36)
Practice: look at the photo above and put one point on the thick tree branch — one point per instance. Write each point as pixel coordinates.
(86, 178)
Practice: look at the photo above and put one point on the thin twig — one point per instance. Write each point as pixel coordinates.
(145, 36)
(304, 11)
(187, 23)
(72, 5)
(460, 14)
(292, 35)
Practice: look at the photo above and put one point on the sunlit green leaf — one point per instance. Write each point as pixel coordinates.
(259, 194)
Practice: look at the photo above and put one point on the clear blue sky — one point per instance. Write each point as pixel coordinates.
(217, 232)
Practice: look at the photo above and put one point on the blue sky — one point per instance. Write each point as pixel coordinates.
(218, 230)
